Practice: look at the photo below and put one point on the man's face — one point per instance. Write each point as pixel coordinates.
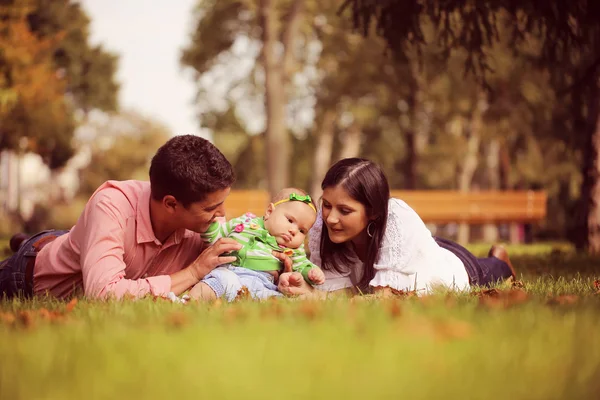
(289, 222)
(198, 216)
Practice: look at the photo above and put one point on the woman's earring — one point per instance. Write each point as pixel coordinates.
(371, 225)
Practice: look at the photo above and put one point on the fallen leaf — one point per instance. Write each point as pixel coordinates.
(394, 309)
(499, 299)
(71, 304)
(217, 303)
(234, 313)
(310, 309)
(8, 318)
(597, 286)
(177, 319)
(564, 300)
(454, 330)
(26, 318)
(243, 294)
(272, 308)
(518, 284)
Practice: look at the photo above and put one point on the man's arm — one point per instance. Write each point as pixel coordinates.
(102, 251)
(208, 260)
(102, 255)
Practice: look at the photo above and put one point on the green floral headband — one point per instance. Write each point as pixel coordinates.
(296, 197)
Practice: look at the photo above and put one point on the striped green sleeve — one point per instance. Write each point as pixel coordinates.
(301, 263)
(219, 229)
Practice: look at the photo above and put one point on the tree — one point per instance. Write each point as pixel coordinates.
(36, 116)
(220, 25)
(120, 147)
(48, 71)
(566, 30)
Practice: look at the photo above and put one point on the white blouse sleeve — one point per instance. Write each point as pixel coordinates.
(334, 280)
(400, 246)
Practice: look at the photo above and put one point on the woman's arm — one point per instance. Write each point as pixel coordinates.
(293, 284)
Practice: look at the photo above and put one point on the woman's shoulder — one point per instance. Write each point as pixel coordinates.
(400, 213)
(398, 206)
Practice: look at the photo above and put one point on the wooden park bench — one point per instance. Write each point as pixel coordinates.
(437, 206)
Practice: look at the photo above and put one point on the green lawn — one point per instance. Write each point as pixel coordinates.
(533, 343)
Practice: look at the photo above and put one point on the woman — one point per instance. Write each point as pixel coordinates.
(373, 243)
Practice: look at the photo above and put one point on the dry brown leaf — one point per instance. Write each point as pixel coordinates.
(500, 299)
(8, 318)
(597, 286)
(387, 291)
(564, 300)
(177, 319)
(518, 284)
(272, 308)
(310, 309)
(131, 297)
(450, 301)
(394, 309)
(454, 330)
(243, 294)
(26, 318)
(71, 304)
(234, 313)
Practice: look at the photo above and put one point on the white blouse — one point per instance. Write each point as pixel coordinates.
(409, 258)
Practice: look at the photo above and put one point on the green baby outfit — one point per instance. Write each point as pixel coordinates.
(249, 230)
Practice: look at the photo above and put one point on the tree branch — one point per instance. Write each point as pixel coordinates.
(292, 26)
(267, 22)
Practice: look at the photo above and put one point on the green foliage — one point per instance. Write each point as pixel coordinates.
(48, 70)
(121, 148)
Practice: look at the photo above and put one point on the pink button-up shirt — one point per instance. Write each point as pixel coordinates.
(112, 250)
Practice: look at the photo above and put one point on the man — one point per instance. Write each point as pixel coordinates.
(134, 238)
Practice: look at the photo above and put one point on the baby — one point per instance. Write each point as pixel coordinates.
(283, 228)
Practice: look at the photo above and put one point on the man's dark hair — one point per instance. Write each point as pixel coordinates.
(189, 167)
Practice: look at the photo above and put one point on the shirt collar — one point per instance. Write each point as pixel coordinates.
(144, 231)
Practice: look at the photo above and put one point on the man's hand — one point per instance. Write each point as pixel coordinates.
(316, 276)
(211, 258)
(293, 284)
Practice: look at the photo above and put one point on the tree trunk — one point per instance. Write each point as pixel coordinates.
(351, 141)
(417, 135)
(471, 158)
(590, 191)
(490, 230)
(277, 70)
(325, 135)
(466, 177)
(410, 161)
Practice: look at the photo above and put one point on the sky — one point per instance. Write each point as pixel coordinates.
(148, 35)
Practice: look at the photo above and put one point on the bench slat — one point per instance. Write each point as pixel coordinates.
(439, 206)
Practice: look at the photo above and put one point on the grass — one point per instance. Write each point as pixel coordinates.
(538, 342)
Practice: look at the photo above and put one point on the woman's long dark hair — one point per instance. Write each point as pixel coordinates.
(366, 183)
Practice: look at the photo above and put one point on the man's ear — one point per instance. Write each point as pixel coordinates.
(268, 211)
(170, 203)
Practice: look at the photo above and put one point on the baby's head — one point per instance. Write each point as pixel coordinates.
(289, 217)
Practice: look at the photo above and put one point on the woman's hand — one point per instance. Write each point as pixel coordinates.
(293, 284)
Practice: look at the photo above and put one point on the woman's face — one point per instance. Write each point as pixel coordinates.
(344, 217)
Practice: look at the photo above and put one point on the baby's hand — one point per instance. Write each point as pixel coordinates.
(316, 276)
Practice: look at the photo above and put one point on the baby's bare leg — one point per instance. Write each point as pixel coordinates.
(201, 291)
